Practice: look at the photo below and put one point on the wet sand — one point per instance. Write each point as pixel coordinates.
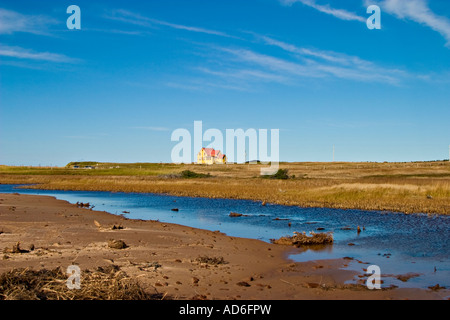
(63, 234)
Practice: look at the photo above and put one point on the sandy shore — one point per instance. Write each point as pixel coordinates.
(63, 234)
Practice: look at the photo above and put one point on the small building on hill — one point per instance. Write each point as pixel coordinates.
(211, 156)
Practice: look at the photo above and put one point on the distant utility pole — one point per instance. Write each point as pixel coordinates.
(333, 152)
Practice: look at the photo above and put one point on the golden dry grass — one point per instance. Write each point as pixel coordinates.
(109, 283)
(404, 187)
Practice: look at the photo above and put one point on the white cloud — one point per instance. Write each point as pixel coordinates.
(137, 19)
(21, 53)
(11, 22)
(245, 75)
(271, 63)
(338, 13)
(188, 28)
(243, 69)
(314, 63)
(418, 11)
(325, 55)
(310, 68)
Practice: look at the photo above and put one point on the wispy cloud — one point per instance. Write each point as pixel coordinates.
(245, 75)
(240, 68)
(324, 65)
(415, 10)
(418, 11)
(140, 20)
(119, 32)
(188, 28)
(326, 8)
(270, 62)
(244, 69)
(129, 17)
(12, 21)
(314, 53)
(21, 53)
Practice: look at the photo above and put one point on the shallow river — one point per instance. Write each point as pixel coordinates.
(396, 242)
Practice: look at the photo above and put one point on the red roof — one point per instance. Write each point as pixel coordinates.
(210, 152)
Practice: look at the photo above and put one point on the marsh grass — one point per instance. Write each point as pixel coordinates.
(402, 187)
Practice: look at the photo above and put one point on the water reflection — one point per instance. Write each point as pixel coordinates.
(398, 243)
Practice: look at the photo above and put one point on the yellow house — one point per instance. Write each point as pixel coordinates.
(211, 156)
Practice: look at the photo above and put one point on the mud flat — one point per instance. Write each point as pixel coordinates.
(174, 261)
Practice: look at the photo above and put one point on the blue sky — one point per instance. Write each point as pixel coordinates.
(137, 70)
